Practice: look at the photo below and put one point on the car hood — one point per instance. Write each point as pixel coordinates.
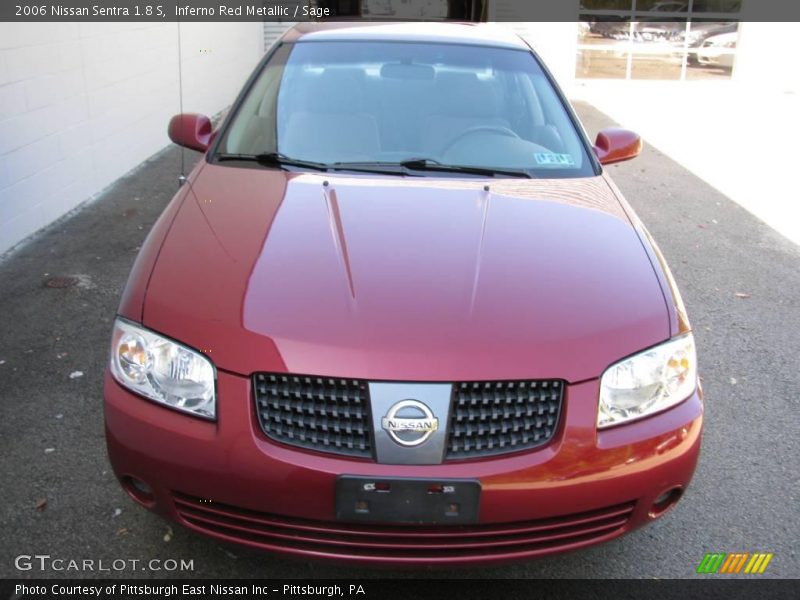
(390, 278)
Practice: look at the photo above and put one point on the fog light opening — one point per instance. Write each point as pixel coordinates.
(665, 501)
(138, 490)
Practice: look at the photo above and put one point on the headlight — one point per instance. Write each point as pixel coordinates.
(163, 370)
(648, 382)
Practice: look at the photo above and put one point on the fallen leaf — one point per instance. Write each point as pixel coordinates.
(742, 295)
(117, 512)
(122, 531)
(168, 535)
(76, 374)
(41, 505)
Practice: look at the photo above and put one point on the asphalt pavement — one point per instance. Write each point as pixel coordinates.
(740, 281)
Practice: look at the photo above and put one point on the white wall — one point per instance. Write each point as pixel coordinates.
(766, 56)
(81, 104)
(556, 44)
(274, 30)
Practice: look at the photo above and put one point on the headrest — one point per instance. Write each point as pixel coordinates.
(408, 72)
(337, 91)
(464, 95)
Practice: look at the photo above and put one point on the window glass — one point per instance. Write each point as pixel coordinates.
(388, 102)
(656, 39)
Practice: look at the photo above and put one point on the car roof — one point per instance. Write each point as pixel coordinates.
(478, 34)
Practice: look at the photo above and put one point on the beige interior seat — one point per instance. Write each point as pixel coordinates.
(334, 124)
(464, 102)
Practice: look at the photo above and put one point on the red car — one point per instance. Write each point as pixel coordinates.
(400, 314)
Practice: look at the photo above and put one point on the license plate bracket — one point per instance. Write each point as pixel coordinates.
(406, 500)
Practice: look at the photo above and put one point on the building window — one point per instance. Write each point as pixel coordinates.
(657, 39)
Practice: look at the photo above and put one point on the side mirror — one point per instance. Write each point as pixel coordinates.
(615, 145)
(191, 131)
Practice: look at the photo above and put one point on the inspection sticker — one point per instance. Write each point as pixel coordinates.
(550, 158)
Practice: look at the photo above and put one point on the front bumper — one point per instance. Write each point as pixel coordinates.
(227, 480)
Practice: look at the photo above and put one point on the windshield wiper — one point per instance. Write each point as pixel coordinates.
(406, 167)
(427, 164)
(275, 159)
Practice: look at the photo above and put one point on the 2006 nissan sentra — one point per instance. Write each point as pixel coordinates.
(400, 314)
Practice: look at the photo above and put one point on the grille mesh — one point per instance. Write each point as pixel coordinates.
(495, 417)
(332, 415)
(320, 413)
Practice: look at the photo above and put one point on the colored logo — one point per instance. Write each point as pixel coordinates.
(736, 563)
(409, 423)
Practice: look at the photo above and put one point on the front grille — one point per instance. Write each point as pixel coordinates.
(496, 417)
(402, 543)
(332, 415)
(319, 413)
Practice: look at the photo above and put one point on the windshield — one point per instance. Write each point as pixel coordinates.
(390, 102)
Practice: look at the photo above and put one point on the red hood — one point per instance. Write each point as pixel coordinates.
(405, 278)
